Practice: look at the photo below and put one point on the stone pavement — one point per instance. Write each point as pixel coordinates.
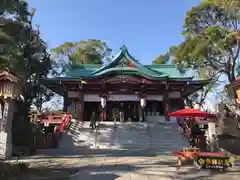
(126, 168)
(151, 160)
(130, 167)
(145, 168)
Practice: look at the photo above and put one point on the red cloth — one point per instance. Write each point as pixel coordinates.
(105, 116)
(189, 112)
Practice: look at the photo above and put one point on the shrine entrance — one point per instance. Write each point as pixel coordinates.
(123, 111)
(120, 111)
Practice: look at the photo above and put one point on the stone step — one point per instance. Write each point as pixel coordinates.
(145, 142)
(139, 145)
(136, 136)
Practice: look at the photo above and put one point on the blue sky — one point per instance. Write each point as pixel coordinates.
(147, 28)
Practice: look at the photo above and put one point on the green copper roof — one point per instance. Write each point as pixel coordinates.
(119, 65)
(169, 69)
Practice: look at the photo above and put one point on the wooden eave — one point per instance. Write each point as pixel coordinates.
(156, 87)
(194, 86)
(7, 76)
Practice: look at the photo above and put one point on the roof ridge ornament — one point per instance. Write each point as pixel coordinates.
(123, 48)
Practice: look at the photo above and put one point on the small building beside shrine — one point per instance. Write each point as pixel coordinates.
(124, 89)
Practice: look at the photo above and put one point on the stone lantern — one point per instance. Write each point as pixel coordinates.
(9, 92)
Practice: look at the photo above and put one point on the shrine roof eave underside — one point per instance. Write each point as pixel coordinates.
(59, 85)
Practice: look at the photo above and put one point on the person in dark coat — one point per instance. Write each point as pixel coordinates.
(93, 120)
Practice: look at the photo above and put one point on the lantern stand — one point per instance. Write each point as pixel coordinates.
(10, 90)
(143, 105)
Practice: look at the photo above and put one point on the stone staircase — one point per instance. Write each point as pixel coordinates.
(131, 136)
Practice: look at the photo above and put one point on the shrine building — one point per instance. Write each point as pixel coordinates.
(124, 89)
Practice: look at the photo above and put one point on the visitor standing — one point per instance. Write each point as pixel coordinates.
(93, 120)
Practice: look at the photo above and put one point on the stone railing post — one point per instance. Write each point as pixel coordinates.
(6, 129)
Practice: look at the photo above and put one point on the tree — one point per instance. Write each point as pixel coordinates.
(210, 41)
(165, 58)
(22, 49)
(228, 4)
(200, 96)
(232, 7)
(161, 59)
(91, 51)
(199, 73)
(23, 52)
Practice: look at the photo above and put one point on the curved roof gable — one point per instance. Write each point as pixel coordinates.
(124, 61)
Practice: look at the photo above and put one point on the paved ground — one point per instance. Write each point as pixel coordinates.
(128, 167)
(145, 168)
(150, 161)
(125, 168)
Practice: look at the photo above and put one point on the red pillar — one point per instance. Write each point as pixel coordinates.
(80, 106)
(166, 104)
(181, 106)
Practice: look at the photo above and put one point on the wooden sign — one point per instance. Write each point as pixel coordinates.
(213, 162)
(235, 161)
